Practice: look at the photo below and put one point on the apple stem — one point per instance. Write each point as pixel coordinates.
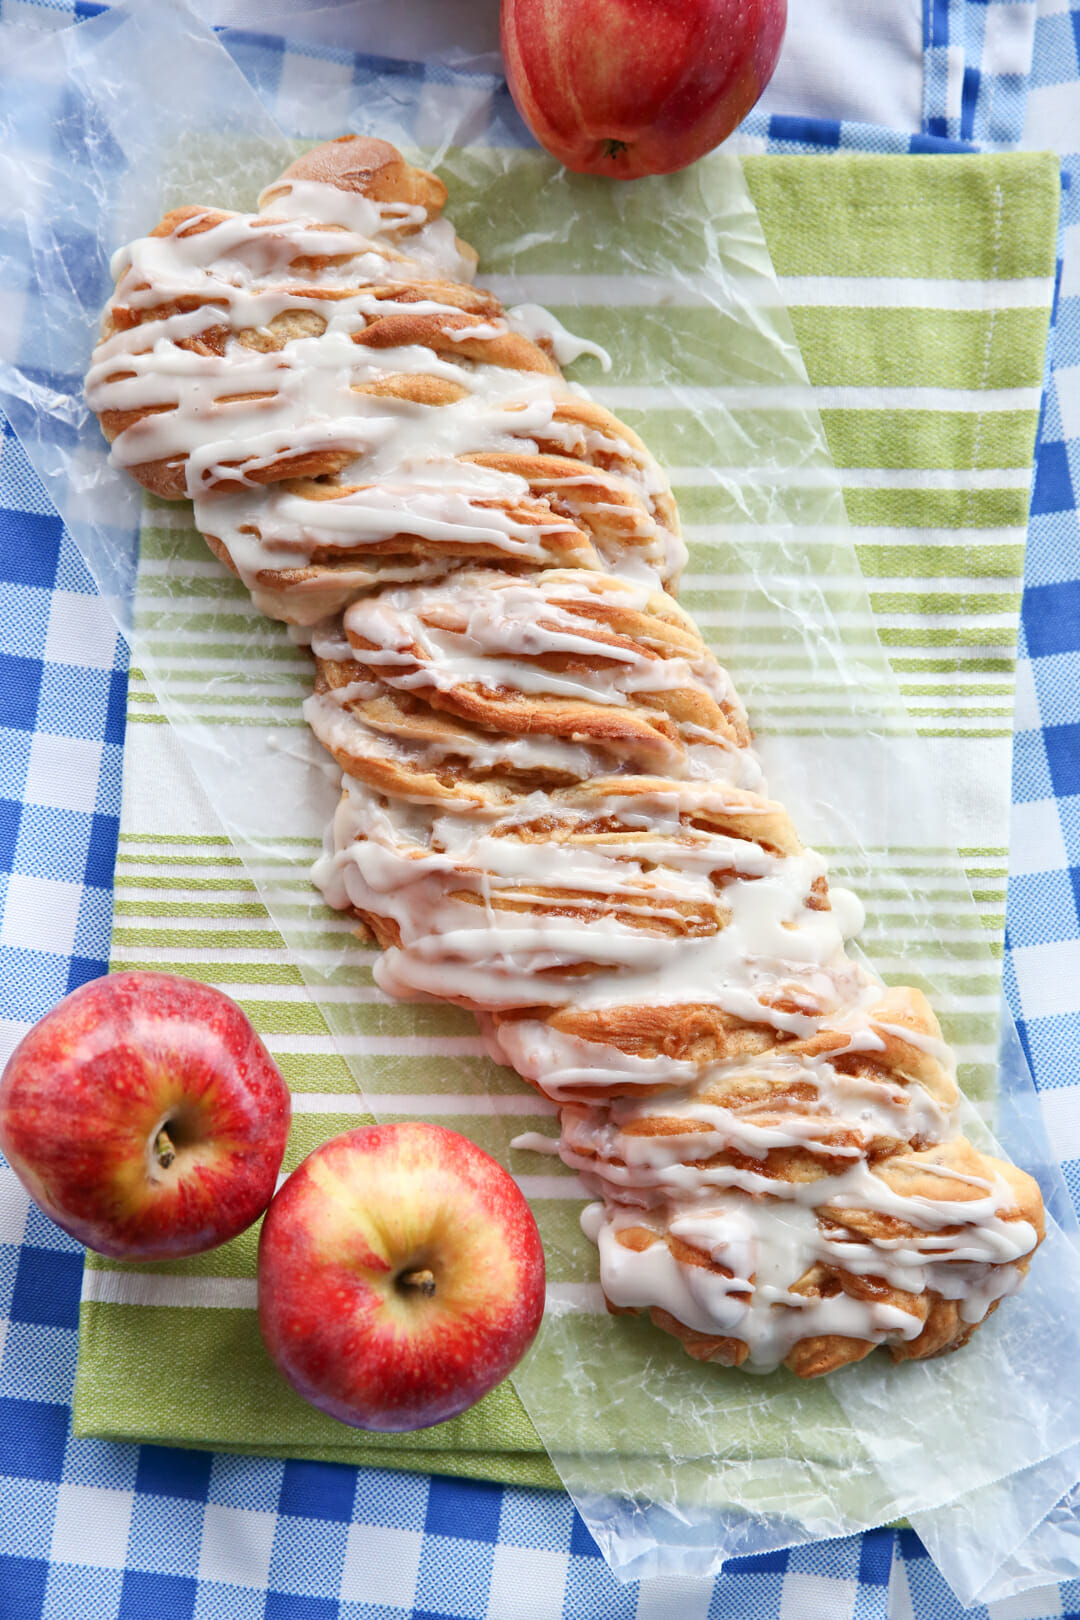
(164, 1149)
(420, 1282)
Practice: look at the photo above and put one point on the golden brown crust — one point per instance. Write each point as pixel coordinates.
(704, 1035)
(691, 1033)
(721, 1349)
(957, 1171)
(387, 725)
(608, 508)
(566, 545)
(353, 163)
(582, 433)
(456, 335)
(366, 165)
(942, 1330)
(190, 220)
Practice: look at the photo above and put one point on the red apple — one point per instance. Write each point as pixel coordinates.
(400, 1276)
(632, 87)
(145, 1116)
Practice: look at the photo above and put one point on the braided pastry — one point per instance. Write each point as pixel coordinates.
(551, 812)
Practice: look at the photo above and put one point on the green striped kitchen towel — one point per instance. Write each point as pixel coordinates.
(919, 290)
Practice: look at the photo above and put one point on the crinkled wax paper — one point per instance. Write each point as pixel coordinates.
(675, 1466)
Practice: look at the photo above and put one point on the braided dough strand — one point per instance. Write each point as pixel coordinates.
(552, 814)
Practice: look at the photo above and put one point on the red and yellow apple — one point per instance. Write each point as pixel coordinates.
(145, 1116)
(633, 87)
(401, 1276)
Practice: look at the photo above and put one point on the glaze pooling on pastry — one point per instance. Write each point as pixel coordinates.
(551, 813)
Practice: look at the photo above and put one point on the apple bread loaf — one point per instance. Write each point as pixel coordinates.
(551, 812)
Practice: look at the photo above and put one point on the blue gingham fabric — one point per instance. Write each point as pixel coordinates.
(1042, 957)
(63, 690)
(119, 1532)
(977, 61)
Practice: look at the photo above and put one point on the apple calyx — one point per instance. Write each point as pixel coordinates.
(164, 1149)
(420, 1281)
(171, 1141)
(612, 147)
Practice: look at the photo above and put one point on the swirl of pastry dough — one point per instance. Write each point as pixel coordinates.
(552, 814)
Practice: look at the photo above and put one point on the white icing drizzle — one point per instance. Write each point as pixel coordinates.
(536, 1142)
(231, 412)
(440, 879)
(541, 326)
(773, 1139)
(568, 1065)
(485, 751)
(485, 628)
(843, 1115)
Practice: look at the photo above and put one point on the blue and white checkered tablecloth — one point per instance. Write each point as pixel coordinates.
(120, 1532)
